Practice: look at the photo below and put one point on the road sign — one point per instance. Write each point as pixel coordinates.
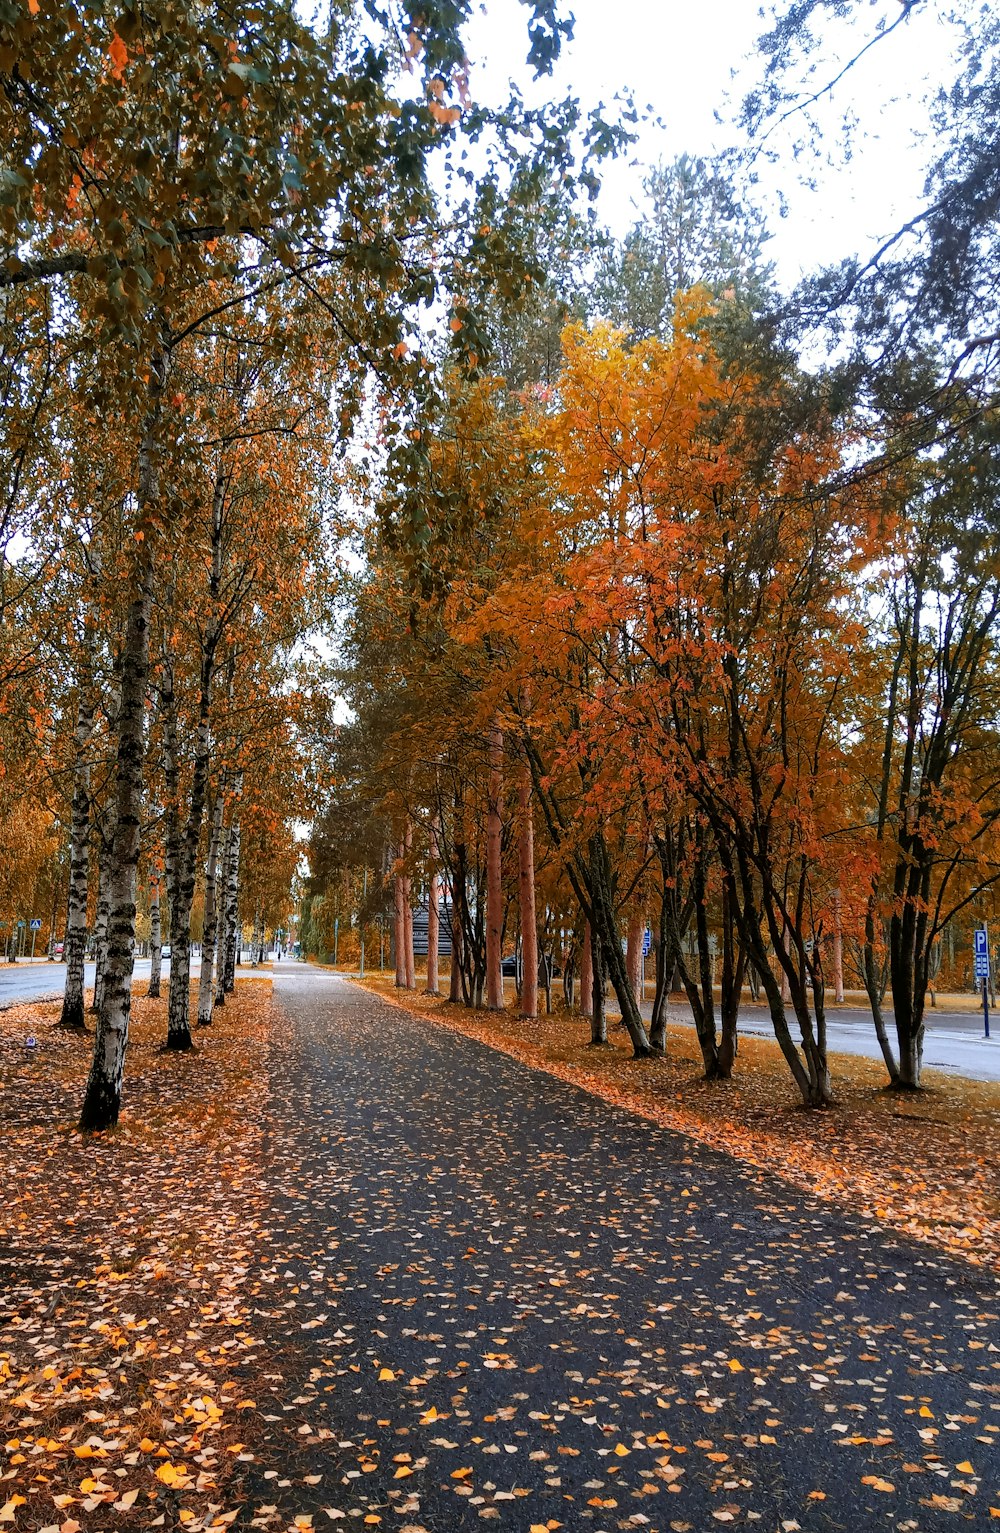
(647, 942)
(35, 925)
(981, 953)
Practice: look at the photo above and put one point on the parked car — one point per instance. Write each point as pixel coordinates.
(57, 951)
(508, 968)
(165, 950)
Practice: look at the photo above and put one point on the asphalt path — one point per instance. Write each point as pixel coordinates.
(485, 1296)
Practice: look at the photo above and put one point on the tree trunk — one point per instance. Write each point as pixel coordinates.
(155, 938)
(234, 926)
(733, 969)
(700, 995)
(526, 891)
(399, 917)
(455, 980)
(75, 940)
(186, 869)
(494, 887)
(229, 901)
(101, 928)
(433, 925)
(910, 1062)
(586, 974)
(633, 953)
(812, 1079)
(433, 917)
(411, 968)
(871, 971)
(210, 933)
(219, 998)
(838, 950)
(605, 929)
(102, 1099)
(598, 1010)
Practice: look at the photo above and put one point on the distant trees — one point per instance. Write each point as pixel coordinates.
(216, 229)
(752, 689)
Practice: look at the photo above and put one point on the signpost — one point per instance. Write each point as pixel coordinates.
(981, 968)
(36, 927)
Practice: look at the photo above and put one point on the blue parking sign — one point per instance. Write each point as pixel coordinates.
(981, 953)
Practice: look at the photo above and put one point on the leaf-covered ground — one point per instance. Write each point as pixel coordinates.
(924, 1164)
(343, 1267)
(126, 1345)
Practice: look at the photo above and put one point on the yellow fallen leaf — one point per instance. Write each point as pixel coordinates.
(876, 1482)
(926, 1412)
(621, 1451)
(402, 1472)
(167, 1474)
(461, 1474)
(965, 1467)
(147, 1445)
(386, 1376)
(84, 1452)
(430, 1415)
(735, 1365)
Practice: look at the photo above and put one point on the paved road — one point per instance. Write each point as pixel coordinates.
(36, 982)
(490, 1298)
(46, 981)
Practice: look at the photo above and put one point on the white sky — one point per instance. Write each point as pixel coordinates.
(680, 57)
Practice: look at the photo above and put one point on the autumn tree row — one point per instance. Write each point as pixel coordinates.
(217, 228)
(690, 667)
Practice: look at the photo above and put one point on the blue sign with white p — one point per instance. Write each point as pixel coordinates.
(980, 953)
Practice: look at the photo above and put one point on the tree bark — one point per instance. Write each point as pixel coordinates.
(102, 1099)
(586, 973)
(234, 928)
(526, 891)
(633, 952)
(155, 938)
(838, 950)
(598, 1009)
(101, 927)
(455, 979)
(733, 969)
(229, 900)
(75, 940)
(433, 915)
(210, 932)
(410, 961)
(494, 885)
(185, 875)
(219, 997)
(399, 916)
